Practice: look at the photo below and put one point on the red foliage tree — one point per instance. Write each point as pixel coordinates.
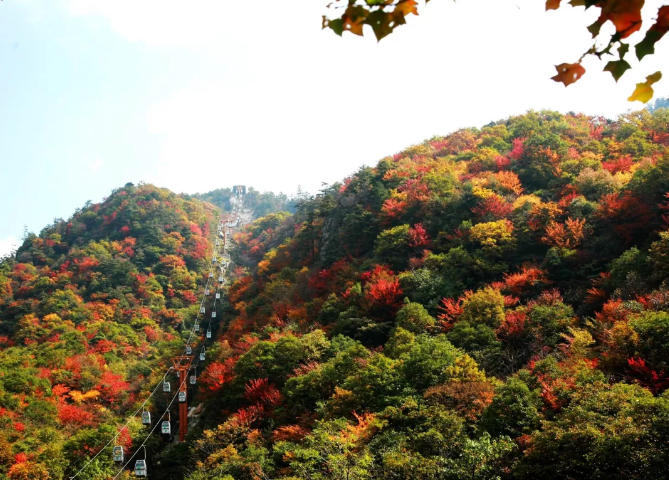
(290, 433)
(449, 310)
(112, 386)
(565, 235)
(416, 191)
(219, 374)
(384, 293)
(260, 391)
(596, 130)
(73, 415)
(104, 346)
(502, 163)
(393, 208)
(418, 236)
(493, 207)
(518, 148)
(626, 213)
(612, 312)
(529, 276)
(439, 145)
(655, 381)
(246, 416)
(513, 326)
(622, 164)
(597, 294)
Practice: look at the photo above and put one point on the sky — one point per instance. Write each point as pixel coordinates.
(207, 94)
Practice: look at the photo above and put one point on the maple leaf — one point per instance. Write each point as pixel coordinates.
(624, 14)
(354, 19)
(568, 73)
(617, 68)
(654, 33)
(382, 15)
(407, 7)
(644, 91)
(552, 4)
(380, 22)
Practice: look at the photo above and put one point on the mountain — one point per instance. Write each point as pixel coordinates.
(257, 203)
(90, 309)
(662, 102)
(489, 304)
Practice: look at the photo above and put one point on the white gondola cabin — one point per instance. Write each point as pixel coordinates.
(209, 332)
(202, 309)
(211, 274)
(140, 468)
(166, 386)
(206, 291)
(117, 454)
(193, 379)
(196, 327)
(218, 296)
(202, 355)
(166, 427)
(182, 397)
(146, 418)
(189, 350)
(220, 279)
(213, 314)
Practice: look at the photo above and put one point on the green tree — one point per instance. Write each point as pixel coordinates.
(414, 317)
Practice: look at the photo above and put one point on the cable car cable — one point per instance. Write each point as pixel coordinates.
(122, 428)
(148, 436)
(154, 428)
(142, 406)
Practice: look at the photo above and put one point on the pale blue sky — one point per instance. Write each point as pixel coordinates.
(205, 94)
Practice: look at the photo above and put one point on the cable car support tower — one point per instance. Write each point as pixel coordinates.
(182, 365)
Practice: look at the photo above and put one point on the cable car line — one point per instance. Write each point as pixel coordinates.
(145, 438)
(143, 405)
(166, 412)
(113, 439)
(224, 229)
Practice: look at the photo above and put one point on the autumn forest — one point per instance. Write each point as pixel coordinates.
(489, 304)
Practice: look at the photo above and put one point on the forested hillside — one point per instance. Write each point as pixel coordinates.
(90, 312)
(257, 203)
(490, 304)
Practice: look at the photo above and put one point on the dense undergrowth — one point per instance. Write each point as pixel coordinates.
(490, 304)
